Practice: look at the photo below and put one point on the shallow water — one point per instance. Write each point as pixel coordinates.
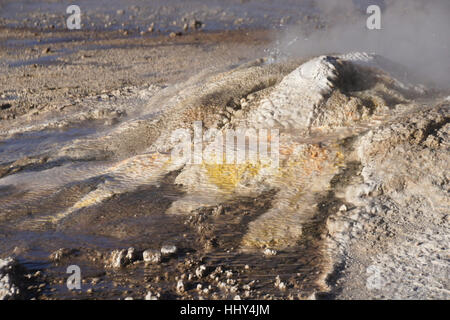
(119, 14)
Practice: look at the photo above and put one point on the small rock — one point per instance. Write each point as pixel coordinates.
(131, 254)
(196, 24)
(219, 210)
(152, 256)
(122, 258)
(180, 286)
(118, 258)
(279, 284)
(200, 271)
(168, 250)
(8, 285)
(269, 252)
(61, 253)
(175, 34)
(150, 296)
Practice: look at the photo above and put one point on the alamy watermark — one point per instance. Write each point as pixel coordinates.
(374, 20)
(74, 280)
(243, 145)
(74, 20)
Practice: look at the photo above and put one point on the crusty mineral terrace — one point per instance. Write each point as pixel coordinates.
(350, 132)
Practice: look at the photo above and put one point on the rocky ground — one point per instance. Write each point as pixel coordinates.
(357, 208)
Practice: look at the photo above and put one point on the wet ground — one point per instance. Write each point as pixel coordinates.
(77, 110)
(50, 91)
(166, 16)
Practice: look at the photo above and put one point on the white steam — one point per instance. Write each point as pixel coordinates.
(413, 33)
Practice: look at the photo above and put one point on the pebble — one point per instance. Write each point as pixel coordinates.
(219, 210)
(279, 284)
(180, 286)
(150, 296)
(152, 256)
(196, 24)
(200, 271)
(168, 250)
(175, 34)
(118, 258)
(131, 254)
(269, 252)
